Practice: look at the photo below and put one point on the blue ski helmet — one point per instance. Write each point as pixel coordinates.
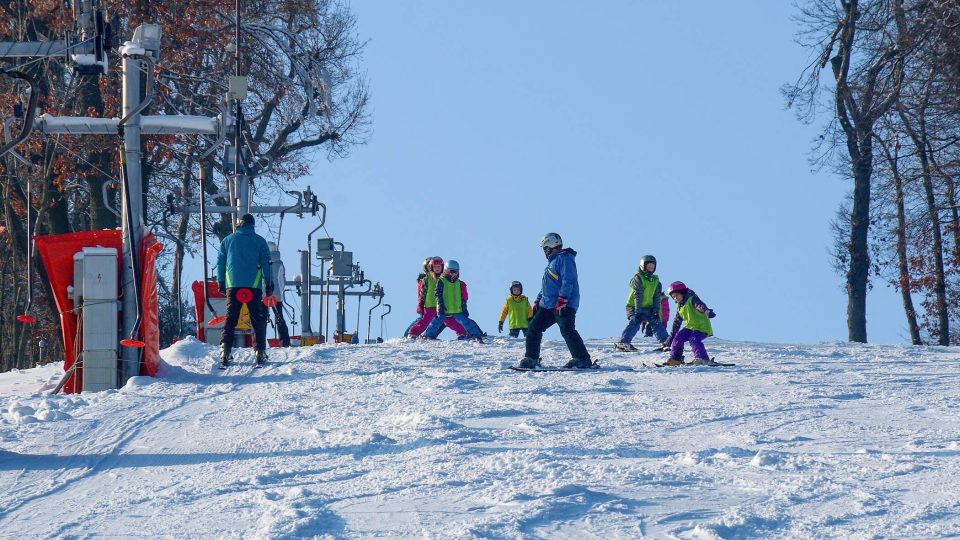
(452, 265)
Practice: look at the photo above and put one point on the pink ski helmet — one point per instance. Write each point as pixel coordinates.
(433, 262)
(676, 286)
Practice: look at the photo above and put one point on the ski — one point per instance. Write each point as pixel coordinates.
(635, 350)
(711, 364)
(540, 369)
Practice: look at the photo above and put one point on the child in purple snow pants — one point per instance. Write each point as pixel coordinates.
(695, 317)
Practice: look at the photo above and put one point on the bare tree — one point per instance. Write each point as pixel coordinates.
(857, 40)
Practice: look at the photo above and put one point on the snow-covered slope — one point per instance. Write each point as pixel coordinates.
(439, 440)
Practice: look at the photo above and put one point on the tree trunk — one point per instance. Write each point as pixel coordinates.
(903, 267)
(858, 274)
(918, 135)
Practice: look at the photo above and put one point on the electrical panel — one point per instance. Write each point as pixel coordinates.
(342, 264)
(95, 292)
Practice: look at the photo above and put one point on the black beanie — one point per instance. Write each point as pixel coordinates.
(247, 219)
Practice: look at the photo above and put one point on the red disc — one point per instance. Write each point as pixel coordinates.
(26, 319)
(270, 301)
(217, 320)
(244, 295)
(136, 343)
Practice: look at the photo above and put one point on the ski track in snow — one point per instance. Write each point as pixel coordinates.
(440, 440)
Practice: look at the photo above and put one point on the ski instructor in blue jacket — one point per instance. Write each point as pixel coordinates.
(557, 303)
(243, 264)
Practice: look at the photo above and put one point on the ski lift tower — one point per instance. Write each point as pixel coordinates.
(90, 57)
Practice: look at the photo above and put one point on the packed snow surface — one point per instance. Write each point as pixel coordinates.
(440, 440)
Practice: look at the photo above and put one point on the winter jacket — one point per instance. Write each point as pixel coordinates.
(244, 260)
(560, 279)
(451, 297)
(694, 313)
(518, 307)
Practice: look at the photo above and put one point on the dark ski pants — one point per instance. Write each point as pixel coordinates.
(544, 319)
(258, 318)
(515, 332)
(281, 324)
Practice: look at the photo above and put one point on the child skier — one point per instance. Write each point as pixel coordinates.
(645, 290)
(451, 301)
(427, 299)
(695, 317)
(423, 274)
(518, 307)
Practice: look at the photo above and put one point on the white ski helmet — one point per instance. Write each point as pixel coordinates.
(551, 240)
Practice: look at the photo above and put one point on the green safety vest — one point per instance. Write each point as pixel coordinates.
(694, 319)
(430, 296)
(517, 312)
(649, 288)
(452, 297)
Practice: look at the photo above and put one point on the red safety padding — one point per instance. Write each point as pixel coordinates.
(56, 253)
(149, 305)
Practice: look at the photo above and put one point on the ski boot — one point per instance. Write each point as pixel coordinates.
(529, 363)
(225, 357)
(578, 363)
(626, 347)
(674, 362)
(261, 358)
(700, 362)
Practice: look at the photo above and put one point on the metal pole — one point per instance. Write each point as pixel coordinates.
(328, 317)
(240, 174)
(204, 172)
(320, 310)
(305, 288)
(132, 216)
(341, 311)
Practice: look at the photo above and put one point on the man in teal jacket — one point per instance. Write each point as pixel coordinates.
(243, 264)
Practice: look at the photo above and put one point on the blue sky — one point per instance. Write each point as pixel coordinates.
(629, 129)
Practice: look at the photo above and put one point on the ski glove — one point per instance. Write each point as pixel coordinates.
(269, 289)
(465, 312)
(419, 310)
(222, 287)
(561, 303)
(500, 327)
(711, 314)
(536, 306)
(630, 312)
